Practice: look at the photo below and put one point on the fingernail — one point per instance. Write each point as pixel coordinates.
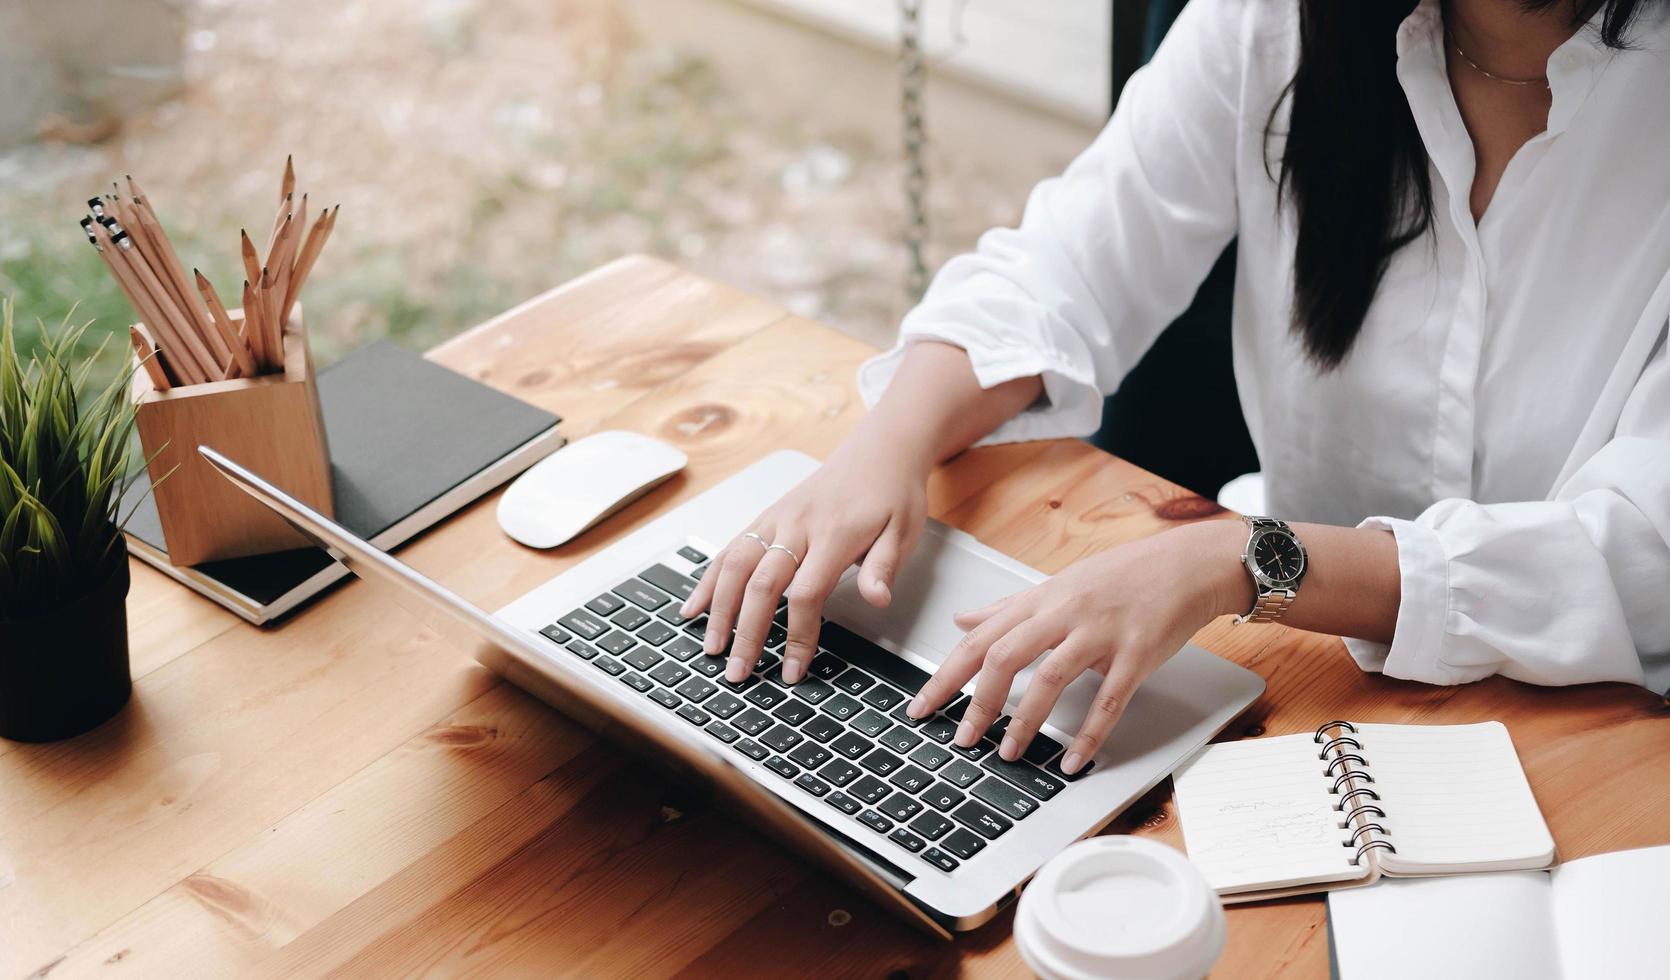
(791, 671)
(886, 593)
(735, 669)
(965, 735)
(1008, 750)
(918, 707)
(1071, 763)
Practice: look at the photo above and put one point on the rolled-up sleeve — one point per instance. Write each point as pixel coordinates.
(1107, 253)
(1568, 590)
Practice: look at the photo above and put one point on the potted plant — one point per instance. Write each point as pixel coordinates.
(64, 465)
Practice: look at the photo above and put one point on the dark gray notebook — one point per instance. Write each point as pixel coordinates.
(410, 443)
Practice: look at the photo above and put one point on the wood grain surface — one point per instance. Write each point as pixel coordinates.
(343, 793)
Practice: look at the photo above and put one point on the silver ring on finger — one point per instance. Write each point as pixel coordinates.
(792, 556)
(762, 541)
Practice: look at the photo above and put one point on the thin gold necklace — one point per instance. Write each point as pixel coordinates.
(1539, 80)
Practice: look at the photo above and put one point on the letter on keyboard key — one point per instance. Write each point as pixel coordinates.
(943, 797)
(794, 711)
(881, 762)
(911, 779)
(821, 727)
(961, 774)
(852, 745)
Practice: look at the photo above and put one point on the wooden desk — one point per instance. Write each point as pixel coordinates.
(345, 793)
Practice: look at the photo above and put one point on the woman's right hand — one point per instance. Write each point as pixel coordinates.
(866, 503)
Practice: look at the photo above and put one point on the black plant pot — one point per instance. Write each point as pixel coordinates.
(66, 670)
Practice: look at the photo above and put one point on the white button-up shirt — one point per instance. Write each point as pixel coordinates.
(1506, 409)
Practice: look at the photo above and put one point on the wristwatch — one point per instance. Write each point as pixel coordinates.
(1276, 561)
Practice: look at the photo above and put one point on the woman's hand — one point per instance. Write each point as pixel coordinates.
(867, 503)
(1121, 613)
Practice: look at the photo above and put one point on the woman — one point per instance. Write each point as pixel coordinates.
(1449, 332)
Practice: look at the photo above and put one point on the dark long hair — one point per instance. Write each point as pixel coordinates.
(1353, 165)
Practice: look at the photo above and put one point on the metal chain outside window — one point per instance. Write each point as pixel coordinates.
(912, 76)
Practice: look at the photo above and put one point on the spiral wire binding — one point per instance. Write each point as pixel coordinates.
(1352, 766)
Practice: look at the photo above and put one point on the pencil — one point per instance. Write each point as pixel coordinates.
(253, 331)
(310, 253)
(145, 252)
(146, 301)
(242, 358)
(287, 186)
(201, 320)
(148, 360)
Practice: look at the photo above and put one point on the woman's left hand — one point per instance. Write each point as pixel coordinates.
(1122, 613)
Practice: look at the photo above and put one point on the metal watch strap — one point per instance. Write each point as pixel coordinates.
(1267, 606)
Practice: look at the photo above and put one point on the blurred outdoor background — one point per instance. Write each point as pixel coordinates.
(486, 150)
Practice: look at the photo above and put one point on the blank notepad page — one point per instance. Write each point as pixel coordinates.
(1456, 799)
(1257, 813)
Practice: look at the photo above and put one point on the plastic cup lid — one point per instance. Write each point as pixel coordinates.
(1119, 907)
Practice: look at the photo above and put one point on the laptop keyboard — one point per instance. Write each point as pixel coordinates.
(840, 734)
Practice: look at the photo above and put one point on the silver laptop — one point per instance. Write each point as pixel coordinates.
(942, 835)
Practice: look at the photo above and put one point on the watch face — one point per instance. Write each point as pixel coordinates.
(1278, 557)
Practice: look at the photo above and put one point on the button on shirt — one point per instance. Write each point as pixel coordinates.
(1505, 411)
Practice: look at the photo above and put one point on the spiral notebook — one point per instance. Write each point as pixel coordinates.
(1348, 803)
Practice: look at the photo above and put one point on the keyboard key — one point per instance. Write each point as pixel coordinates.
(854, 681)
(616, 642)
(875, 821)
(842, 707)
(940, 859)
(911, 779)
(775, 636)
(738, 686)
(556, 634)
(605, 604)
(693, 714)
(982, 820)
(871, 723)
(1028, 777)
(610, 666)
(767, 664)
(840, 772)
(724, 704)
(907, 840)
(852, 745)
(707, 666)
(1054, 769)
(683, 648)
(930, 756)
(979, 750)
(843, 803)
(631, 618)
(870, 789)
(997, 729)
(641, 595)
(826, 666)
(821, 727)
(881, 762)
(722, 732)
(700, 570)
(940, 728)
(899, 715)
(691, 555)
(665, 698)
(781, 738)
(753, 749)
(585, 651)
(657, 633)
(782, 767)
(669, 581)
(668, 673)
(669, 614)
(696, 627)
(862, 653)
(900, 739)
(812, 784)
(753, 721)
(813, 691)
(964, 844)
(696, 689)
(1008, 800)
(956, 708)
(960, 774)
(810, 755)
(637, 682)
(642, 658)
(794, 711)
(900, 807)
(931, 825)
(883, 698)
(942, 796)
(766, 695)
(583, 624)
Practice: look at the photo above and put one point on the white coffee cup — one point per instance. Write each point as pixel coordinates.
(1119, 907)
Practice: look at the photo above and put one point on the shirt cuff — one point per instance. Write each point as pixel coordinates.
(1418, 639)
(1071, 405)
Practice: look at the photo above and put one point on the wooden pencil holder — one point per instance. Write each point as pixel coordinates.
(271, 424)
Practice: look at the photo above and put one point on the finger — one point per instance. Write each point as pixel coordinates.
(1111, 699)
(702, 594)
(970, 618)
(759, 603)
(881, 565)
(963, 662)
(817, 578)
(1008, 655)
(1070, 658)
(735, 567)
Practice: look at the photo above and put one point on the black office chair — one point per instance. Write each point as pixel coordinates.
(1177, 413)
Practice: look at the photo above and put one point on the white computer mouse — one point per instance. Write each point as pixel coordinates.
(582, 483)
